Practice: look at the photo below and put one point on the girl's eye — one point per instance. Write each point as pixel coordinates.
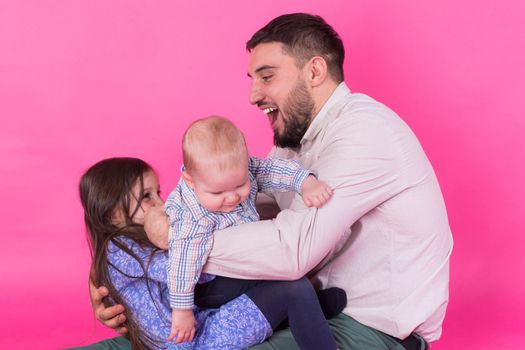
(147, 195)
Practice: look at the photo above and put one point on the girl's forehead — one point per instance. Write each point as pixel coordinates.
(149, 179)
(150, 176)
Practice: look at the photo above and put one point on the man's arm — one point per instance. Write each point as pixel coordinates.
(364, 170)
(112, 316)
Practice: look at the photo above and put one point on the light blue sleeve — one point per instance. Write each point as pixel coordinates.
(236, 325)
(277, 175)
(154, 260)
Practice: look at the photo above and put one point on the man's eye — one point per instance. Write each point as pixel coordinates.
(266, 78)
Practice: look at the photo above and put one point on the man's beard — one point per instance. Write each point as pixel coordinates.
(298, 110)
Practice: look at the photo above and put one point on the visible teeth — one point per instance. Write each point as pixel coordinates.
(269, 110)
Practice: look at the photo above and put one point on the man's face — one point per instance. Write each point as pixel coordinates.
(280, 91)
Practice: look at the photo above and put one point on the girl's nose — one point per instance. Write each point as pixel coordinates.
(159, 201)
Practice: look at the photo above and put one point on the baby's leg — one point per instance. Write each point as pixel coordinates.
(332, 301)
(297, 301)
(221, 290)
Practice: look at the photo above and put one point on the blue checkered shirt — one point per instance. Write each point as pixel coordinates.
(192, 225)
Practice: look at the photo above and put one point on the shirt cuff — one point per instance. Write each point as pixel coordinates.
(299, 178)
(181, 300)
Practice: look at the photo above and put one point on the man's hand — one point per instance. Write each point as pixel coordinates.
(156, 226)
(315, 193)
(112, 316)
(182, 326)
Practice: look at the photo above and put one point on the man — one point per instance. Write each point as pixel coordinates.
(383, 237)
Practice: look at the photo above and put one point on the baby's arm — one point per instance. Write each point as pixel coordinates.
(182, 326)
(315, 193)
(183, 320)
(189, 244)
(279, 175)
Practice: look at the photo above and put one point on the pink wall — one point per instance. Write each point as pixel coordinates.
(84, 80)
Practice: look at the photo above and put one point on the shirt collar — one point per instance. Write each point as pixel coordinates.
(339, 93)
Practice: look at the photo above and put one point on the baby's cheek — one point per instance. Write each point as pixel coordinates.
(213, 203)
(245, 196)
(247, 191)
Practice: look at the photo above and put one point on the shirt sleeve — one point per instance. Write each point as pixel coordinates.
(277, 175)
(360, 164)
(237, 324)
(189, 244)
(152, 260)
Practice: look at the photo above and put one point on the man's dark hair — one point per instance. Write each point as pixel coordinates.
(304, 36)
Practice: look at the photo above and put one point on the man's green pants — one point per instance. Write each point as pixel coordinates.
(348, 333)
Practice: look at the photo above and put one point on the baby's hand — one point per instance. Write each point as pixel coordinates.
(156, 226)
(182, 326)
(315, 193)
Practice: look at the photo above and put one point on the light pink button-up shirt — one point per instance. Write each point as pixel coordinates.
(383, 236)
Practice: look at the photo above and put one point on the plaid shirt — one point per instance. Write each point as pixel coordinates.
(192, 226)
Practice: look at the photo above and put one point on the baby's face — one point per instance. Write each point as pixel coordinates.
(224, 190)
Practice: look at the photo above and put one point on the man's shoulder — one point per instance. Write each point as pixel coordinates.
(358, 112)
(356, 104)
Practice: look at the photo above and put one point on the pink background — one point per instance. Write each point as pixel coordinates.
(85, 80)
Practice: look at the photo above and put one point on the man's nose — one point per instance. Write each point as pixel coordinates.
(255, 94)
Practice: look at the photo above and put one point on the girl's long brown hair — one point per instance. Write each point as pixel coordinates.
(106, 188)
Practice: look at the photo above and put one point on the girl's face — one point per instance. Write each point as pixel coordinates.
(151, 199)
(151, 196)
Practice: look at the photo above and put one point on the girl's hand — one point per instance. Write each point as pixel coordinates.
(156, 226)
(315, 193)
(182, 326)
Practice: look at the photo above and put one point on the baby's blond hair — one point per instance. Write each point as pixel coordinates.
(213, 142)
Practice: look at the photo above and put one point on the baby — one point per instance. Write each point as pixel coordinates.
(217, 189)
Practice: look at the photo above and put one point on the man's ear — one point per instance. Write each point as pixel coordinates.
(188, 179)
(316, 70)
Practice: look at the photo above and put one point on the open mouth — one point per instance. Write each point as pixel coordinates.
(272, 113)
(269, 110)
